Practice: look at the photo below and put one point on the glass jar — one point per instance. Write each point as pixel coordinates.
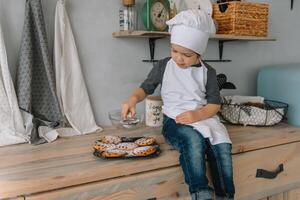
(173, 9)
(128, 18)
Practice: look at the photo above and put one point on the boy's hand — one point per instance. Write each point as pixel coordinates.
(203, 113)
(128, 107)
(188, 117)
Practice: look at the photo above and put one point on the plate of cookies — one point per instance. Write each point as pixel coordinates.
(111, 146)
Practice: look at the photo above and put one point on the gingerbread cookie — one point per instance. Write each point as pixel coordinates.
(145, 141)
(126, 146)
(111, 139)
(144, 151)
(258, 105)
(113, 153)
(100, 146)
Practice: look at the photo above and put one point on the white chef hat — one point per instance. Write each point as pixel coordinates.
(191, 29)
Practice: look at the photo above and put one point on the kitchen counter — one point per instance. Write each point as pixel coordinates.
(67, 168)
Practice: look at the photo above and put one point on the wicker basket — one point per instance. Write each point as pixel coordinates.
(242, 18)
(270, 113)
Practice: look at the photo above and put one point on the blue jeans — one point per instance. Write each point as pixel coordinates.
(193, 147)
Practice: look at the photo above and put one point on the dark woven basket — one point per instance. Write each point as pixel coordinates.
(267, 114)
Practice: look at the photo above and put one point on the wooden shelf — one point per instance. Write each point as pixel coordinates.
(156, 34)
(144, 34)
(245, 38)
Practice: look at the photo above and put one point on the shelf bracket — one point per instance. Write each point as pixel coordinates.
(221, 47)
(152, 49)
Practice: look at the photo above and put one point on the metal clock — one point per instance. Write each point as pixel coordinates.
(155, 13)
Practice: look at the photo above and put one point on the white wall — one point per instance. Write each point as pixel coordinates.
(112, 67)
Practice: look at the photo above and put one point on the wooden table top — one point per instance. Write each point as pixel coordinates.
(27, 169)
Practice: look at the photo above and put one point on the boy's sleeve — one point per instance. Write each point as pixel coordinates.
(154, 77)
(212, 89)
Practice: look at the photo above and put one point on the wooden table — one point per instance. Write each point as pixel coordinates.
(67, 168)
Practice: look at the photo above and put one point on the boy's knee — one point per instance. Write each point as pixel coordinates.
(189, 134)
(183, 130)
(191, 140)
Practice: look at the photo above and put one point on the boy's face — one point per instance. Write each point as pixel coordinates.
(184, 57)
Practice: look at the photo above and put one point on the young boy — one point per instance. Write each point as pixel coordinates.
(191, 101)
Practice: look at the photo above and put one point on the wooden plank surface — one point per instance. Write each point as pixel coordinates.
(69, 161)
(249, 187)
(252, 138)
(280, 196)
(293, 194)
(169, 183)
(160, 184)
(27, 169)
(15, 198)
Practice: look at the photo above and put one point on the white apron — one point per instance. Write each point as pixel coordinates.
(71, 90)
(184, 90)
(12, 130)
